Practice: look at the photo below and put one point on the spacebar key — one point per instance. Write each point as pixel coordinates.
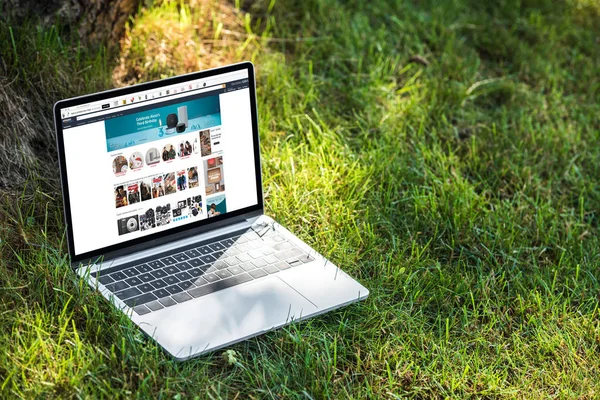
(220, 285)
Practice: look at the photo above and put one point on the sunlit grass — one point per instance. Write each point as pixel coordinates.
(445, 154)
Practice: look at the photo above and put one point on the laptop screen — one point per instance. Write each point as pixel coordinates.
(157, 159)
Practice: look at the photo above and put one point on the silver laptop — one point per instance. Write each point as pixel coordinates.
(165, 216)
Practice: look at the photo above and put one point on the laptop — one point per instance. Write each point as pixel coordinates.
(164, 214)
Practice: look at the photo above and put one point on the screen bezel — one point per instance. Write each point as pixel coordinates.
(175, 233)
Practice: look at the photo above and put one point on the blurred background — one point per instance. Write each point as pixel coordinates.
(445, 153)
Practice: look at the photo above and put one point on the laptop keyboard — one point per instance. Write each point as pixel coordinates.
(181, 275)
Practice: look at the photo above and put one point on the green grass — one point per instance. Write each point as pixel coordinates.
(464, 194)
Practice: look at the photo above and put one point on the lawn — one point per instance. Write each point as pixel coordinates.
(444, 153)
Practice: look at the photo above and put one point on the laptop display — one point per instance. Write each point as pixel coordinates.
(157, 159)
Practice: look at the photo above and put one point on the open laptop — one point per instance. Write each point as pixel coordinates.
(164, 212)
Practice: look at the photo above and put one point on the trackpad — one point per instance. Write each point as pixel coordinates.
(226, 316)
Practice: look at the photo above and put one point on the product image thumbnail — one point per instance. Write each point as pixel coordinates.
(121, 196)
(181, 180)
(213, 175)
(128, 224)
(205, 146)
(157, 187)
(192, 174)
(216, 205)
(147, 220)
(133, 193)
(163, 215)
(169, 183)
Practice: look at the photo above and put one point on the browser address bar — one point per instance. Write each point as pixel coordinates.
(150, 102)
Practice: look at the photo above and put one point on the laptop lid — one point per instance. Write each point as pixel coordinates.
(159, 161)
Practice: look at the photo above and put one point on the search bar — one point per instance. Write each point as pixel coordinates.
(150, 102)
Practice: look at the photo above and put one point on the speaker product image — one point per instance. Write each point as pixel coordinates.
(180, 127)
(183, 116)
(172, 120)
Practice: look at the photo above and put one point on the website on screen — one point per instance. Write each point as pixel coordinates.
(158, 159)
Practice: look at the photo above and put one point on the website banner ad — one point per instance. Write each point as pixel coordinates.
(162, 122)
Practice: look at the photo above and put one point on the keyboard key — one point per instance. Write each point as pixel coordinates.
(227, 242)
(243, 257)
(146, 277)
(181, 297)
(211, 277)
(106, 279)
(257, 273)
(143, 268)
(277, 238)
(271, 269)
(270, 259)
(136, 301)
(294, 262)
(243, 248)
(284, 255)
(155, 305)
(220, 285)
(250, 235)
(232, 261)
(235, 270)
(168, 260)
(127, 293)
(117, 286)
(145, 287)
(171, 280)
(196, 262)
(223, 274)
(193, 253)
(159, 283)
(195, 272)
(232, 251)
(156, 264)
(171, 270)
(211, 269)
(256, 244)
(217, 254)
(118, 276)
(204, 250)
(283, 246)
(182, 276)
(220, 265)
(161, 293)
(167, 302)
(255, 254)
(208, 259)
(248, 266)
(185, 285)
(159, 273)
(134, 281)
(174, 289)
(183, 266)
(141, 310)
(281, 265)
(199, 281)
(131, 272)
(260, 262)
(216, 246)
(181, 257)
(266, 250)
